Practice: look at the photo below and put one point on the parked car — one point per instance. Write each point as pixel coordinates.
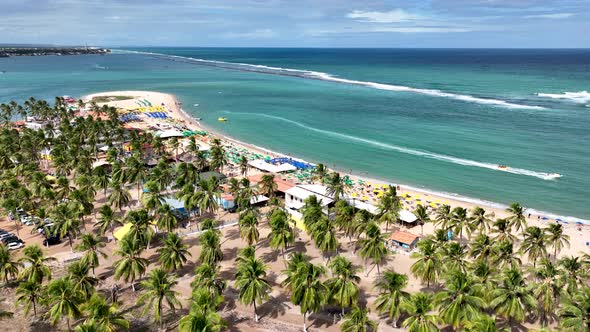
(51, 241)
(10, 239)
(15, 245)
(5, 235)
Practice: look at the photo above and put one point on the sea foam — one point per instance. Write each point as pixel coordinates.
(401, 149)
(580, 97)
(309, 74)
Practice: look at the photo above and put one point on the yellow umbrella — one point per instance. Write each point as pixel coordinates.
(354, 195)
(365, 198)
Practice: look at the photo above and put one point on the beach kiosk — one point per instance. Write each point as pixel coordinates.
(404, 240)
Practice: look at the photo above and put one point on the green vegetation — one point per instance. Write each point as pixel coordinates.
(106, 99)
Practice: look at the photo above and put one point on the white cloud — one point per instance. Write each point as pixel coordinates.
(256, 34)
(556, 16)
(420, 29)
(392, 16)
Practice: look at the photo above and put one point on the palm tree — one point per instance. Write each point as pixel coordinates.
(251, 283)
(29, 293)
(373, 246)
(534, 244)
(481, 247)
(556, 238)
(65, 222)
(141, 230)
(459, 221)
(119, 196)
(575, 314)
(358, 321)
(159, 288)
(343, 286)
(336, 185)
(454, 256)
(106, 220)
(512, 299)
(391, 294)
(210, 248)
(63, 300)
(319, 173)
(419, 311)
(201, 320)
(483, 323)
(281, 233)
(459, 302)
(91, 244)
(517, 218)
(35, 261)
(428, 264)
(166, 218)
(443, 216)
(480, 220)
(307, 290)
(8, 267)
(106, 317)
(244, 166)
(208, 195)
(173, 255)
(207, 277)
(504, 255)
(83, 283)
(548, 288)
(573, 272)
(503, 228)
(421, 217)
(131, 265)
(268, 186)
(249, 228)
(135, 172)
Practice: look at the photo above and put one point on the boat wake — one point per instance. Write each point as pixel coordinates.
(309, 74)
(581, 97)
(401, 149)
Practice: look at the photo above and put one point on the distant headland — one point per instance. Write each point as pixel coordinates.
(9, 51)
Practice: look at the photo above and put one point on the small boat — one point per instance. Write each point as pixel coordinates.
(503, 167)
(222, 119)
(198, 119)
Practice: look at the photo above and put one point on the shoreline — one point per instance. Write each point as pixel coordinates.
(452, 199)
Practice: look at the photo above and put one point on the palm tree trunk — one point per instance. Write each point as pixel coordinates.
(304, 326)
(68, 322)
(255, 314)
(34, 308)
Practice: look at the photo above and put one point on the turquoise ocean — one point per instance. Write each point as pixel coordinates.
(434, 119)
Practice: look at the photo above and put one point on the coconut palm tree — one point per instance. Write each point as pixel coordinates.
(159, 289)
(268, 186)
(480, 220)
(131, 265)
(503, 229)
(207, 277)
(547, 288)
(91, 245)
(135, 172)
(319, 173)
(336, 185)
(534, 244)
(82, 282)
(244, 166)
(575, 314)
(65, 222)
(357, 320)
(421, 217)
(345, 219)
(391, 294)
(201, 320)
(106, 220)
(141, 230)
(106, 317)
(210, 248)
(119, 196)
(573, 272)
(512, 298)
(443, 217)
(307, 290)
(8, 267)
(208, 195)
(483, 323)
(373, 246)
(481, 247)
(460, 221)
(249, 228)
(63, 301)
(324, 236)
(419, 309)
(173, 255)
(505, 256)
(454, 255)
(428, 265)
(35, 261)
(343, 286)
(251, 282)
(29, 293)
(517, 218)
(459, 303)
(389, 207)
(166, 219)
(556, 238)
(281, 233)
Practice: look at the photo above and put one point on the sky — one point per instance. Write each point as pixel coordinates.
(298, 23)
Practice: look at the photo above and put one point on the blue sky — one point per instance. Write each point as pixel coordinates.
(305, 23)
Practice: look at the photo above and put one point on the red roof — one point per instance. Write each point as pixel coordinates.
(282, 185)
(404, 237)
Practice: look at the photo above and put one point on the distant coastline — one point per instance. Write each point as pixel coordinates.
(43, 51)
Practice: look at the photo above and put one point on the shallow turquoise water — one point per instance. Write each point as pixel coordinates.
(445, 142)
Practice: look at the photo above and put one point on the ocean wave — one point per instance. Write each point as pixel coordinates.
(401, 149)
(309, 74)
(580, 97)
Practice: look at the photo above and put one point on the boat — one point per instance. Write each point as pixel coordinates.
(222, 119)
(503, 167)
(198, 119)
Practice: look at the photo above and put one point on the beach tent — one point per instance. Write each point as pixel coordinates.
(169, 133)
(407, 216)
(121, 232)
(100, 163)
(264, 166)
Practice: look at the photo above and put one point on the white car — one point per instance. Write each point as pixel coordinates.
(15, 245)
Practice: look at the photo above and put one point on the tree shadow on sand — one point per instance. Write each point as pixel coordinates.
(276, 306)
(232, 234)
